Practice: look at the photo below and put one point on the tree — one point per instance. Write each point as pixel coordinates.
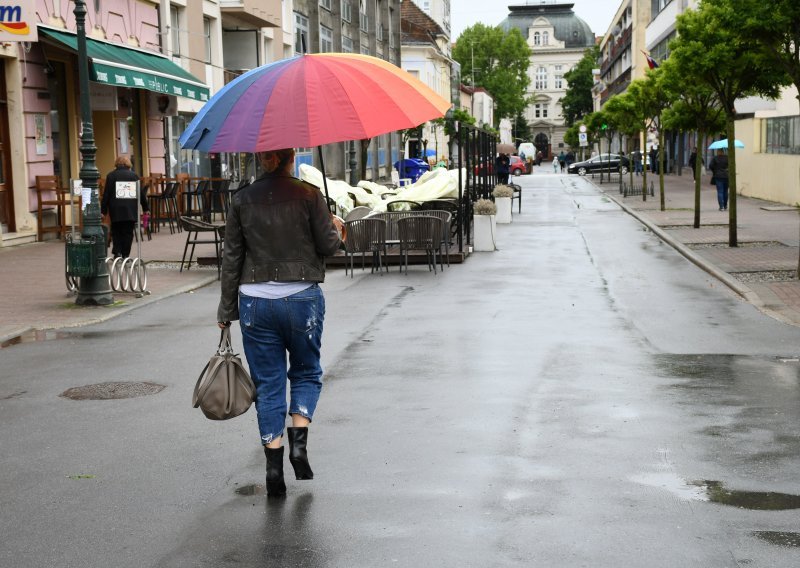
(712, 49)
(622, 119)
(695, 107)
(577, 100)
(658, 102)
(501, 61)
(642, 115)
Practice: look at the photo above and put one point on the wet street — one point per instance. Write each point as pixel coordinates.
(584, 396)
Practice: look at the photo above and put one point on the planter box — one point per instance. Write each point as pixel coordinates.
(485, 228)
(503, 209)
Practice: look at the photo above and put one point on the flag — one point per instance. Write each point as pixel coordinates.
(650, 61)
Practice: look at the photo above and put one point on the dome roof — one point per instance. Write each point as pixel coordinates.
(567, 27)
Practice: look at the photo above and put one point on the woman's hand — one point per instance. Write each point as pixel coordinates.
(223, 324)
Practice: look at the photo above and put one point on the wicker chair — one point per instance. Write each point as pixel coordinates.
(366, 235)
(420, 232)
(213, 234)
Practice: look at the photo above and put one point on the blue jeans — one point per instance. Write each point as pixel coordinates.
(722, 192)
(270, 329)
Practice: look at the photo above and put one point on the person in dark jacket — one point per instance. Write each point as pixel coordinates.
(719, 171)
(503, 165)
(119, 203)
(278, 231)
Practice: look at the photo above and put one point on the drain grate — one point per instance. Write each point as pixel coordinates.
(113, 390)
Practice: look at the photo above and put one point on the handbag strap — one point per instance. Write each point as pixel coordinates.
(225, 344)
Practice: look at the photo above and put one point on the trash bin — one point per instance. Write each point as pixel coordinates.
(411, 168)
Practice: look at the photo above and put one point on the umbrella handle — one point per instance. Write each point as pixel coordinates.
(324, 179)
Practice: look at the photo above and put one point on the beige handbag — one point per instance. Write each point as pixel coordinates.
(224, 389)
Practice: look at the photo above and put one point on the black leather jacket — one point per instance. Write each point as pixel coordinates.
(278, 229)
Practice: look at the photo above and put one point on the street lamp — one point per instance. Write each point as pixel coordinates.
(95, 289)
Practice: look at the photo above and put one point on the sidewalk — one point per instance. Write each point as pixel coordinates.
(35, 295)
(761, 269)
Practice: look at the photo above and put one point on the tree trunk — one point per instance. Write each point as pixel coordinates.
(644, 163)
(698, 162)
(733, 240)
(661, 166)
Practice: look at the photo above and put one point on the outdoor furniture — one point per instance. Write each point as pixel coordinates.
(366, 235)
(420, 232)
(357, 213)
(211, 234)
(391, 218)
(50, 194)
(216, 198)
(445, 217)
(163, 201)
(193, 196)
(516, 195)
(450, 205)
(402, 205)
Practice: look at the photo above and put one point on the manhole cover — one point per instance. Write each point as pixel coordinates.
(111, 390)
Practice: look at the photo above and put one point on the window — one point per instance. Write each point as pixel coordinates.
(300, 34)
(537, 38)
(781, 135)
(426, 5)
(389, 27)
(325, 39)
(656, 6)
(363, 19)
(325, 4)
(540, 81)
(347, 11)
(545, 38)
(378, 26)
(347, 45)
(175, 30)
(365, 50)
(540, 110)
(559, 80)
(207, 38)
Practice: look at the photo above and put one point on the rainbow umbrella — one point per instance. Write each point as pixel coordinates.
(311, 100)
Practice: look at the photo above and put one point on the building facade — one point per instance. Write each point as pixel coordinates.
(622, 50)
(558, 39)
(426, 55)
(135, 87)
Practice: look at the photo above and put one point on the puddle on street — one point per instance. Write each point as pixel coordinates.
(755, 500)
(789, 539)
(34, 336)
(248, 490)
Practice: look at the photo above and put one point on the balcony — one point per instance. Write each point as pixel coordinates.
(257, 13)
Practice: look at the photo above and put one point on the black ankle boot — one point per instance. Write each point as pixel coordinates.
(298, 438)
(275, 485)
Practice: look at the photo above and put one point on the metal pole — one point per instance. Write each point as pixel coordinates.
(352, 163)
(93, 290)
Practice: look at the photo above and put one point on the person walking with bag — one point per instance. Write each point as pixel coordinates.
(119, 203)
(719, 175)
(278, 231)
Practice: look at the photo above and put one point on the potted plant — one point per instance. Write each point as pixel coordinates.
(485, 226)
(502, 199)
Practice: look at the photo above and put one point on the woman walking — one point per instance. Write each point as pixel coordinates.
(278, 232)
(719, 173)
(119, 203)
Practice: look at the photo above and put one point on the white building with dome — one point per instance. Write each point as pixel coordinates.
(558, 40)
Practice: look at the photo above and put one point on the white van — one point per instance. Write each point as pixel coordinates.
(528, 149)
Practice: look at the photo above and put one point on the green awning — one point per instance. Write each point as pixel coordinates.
(123, 66)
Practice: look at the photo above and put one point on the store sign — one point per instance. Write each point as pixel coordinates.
(103, 97)
(18, 21)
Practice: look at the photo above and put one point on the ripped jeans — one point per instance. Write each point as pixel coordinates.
(270, 329)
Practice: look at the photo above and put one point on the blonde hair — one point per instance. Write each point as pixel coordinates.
(277, 160)
(124, 161)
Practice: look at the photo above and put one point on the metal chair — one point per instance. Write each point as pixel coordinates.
(357, 213)
(420, 232)
(164, 207)
(214, 235)
(403, 205)
(516, 195)
(194, 196)
(366, 235)
(445, 217)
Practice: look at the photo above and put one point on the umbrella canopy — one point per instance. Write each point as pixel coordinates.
(311, 100)
(724, 144)
(506, 149)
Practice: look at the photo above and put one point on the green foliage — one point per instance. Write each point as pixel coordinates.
(695, 105)
(577, 100)
(501, 65)
(619, 111)
(521, 130)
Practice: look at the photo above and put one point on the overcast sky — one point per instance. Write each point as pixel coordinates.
(465, 13)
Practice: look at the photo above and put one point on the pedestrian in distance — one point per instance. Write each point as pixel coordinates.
(562, 160)
(278, 231)
(570, 158)
(539, 158)
(653, 159)
(719, 176)
(503, 167)
(693, 162)
(637, 162)
(556, 165)
(120, 204)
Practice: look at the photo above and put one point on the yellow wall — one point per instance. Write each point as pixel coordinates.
(774, 177)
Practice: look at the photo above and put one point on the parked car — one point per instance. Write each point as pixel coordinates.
(517, 167)
(600, 163)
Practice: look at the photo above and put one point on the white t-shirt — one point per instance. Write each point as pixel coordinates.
(273, 290)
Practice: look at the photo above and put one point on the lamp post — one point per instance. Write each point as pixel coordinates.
(96, 289)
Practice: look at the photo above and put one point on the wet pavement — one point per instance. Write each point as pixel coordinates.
(584, 396)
